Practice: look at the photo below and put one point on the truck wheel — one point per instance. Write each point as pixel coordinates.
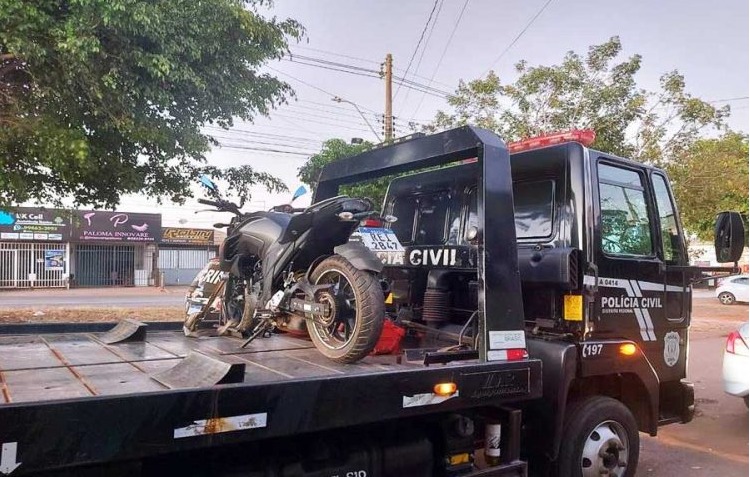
(355, 301)
(600, 438)
(726, 298)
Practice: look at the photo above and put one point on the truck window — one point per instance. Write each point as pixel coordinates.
(421, 218)
(670, 235)
(533, 203)
(625, 228)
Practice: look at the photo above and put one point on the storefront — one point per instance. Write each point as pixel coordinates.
(183, 252)
(113, 248)
(34, 248)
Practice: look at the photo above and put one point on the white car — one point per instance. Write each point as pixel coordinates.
(732, 290)
(736, 367)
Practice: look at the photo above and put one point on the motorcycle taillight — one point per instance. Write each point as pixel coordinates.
(372, 223)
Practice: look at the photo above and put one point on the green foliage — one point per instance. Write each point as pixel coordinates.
(708, 177)
(335, 149)
(594, 91)
(99, 98)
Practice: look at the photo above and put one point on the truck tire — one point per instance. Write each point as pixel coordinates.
(600, 438)
(344, 338)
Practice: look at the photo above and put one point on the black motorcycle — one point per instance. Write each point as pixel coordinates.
(293, 269)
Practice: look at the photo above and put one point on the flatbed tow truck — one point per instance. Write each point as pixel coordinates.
(539, 357)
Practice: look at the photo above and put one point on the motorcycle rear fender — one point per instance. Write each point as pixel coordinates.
(361, 257)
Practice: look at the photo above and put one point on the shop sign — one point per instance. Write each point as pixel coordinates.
(34, 224)
(186, 236)
(107, 226)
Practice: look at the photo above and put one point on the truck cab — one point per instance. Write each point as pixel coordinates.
(605, 287)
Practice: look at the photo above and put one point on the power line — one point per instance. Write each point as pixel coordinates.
(421, 37)
(336, 106)
(255, 141)
(262, 135)
(442, 55)
(332, 95)
(331, 63)
(424, 49)
(356, 73)
(533, 19)
(357, 58)
(264, 149)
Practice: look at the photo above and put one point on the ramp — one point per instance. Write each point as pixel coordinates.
(125, 331)
(201, 370)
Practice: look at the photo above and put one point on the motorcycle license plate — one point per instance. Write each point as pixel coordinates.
(380, 240)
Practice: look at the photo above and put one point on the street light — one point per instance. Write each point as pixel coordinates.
(342, 100)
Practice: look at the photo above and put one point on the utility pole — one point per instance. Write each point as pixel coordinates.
(388, 97)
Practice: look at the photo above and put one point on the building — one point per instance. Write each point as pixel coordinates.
(88, 248)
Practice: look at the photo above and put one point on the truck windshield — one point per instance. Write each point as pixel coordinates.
(422, 219)
(533, 202)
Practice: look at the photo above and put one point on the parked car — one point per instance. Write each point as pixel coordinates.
(736, 368)
(732, 290)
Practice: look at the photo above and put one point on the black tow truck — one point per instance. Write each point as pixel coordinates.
(536, 342)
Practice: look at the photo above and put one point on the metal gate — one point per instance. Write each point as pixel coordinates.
(104, 265)
(26, 264)
(181, 265)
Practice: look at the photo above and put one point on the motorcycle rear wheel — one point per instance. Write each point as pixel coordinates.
(352, 328)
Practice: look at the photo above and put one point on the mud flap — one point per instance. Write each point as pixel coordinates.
(125, 331)
(201, 370)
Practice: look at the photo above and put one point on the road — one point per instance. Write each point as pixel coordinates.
(135, 297)
(716, 442)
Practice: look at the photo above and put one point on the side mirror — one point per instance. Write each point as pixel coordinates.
(729, 237)
(208, 183)
(299, 193)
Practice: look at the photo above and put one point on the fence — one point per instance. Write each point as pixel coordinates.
(26, 264)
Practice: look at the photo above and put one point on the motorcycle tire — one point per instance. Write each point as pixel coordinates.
(369, 311)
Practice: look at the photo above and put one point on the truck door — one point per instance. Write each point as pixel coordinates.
(634, 244)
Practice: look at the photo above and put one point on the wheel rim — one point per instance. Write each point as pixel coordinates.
(336, 329)
(605, 451)
(725, 298)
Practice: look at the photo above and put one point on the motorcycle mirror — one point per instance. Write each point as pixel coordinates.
(208, 183)
(301, 190)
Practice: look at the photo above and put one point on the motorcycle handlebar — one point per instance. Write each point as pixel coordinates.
(209, 202)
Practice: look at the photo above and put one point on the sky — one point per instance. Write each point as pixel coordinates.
(705, 41)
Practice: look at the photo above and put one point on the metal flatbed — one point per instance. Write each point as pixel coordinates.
(68, 398)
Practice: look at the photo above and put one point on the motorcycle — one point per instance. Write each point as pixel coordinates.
(294, 270)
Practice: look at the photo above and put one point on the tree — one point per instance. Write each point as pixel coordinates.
(586, 92)
(99, 98)
(708, 177)
(332, 150)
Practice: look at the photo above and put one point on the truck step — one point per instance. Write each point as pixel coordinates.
(126, 331)
(201, 370)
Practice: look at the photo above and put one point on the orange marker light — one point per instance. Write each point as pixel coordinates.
(628, 349)
(445, 389)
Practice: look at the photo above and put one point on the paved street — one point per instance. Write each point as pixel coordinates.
(135, 297)
(716, 442)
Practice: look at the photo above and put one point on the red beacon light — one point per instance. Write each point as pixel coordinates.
(584, 136)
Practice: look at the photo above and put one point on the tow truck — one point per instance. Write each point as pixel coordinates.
(541, 327)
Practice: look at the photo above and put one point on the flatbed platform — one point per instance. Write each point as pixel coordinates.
(70, 399)
(79, 365)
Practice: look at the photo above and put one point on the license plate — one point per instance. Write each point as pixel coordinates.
(380, 240)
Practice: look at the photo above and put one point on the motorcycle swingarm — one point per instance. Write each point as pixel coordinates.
(311, 307)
